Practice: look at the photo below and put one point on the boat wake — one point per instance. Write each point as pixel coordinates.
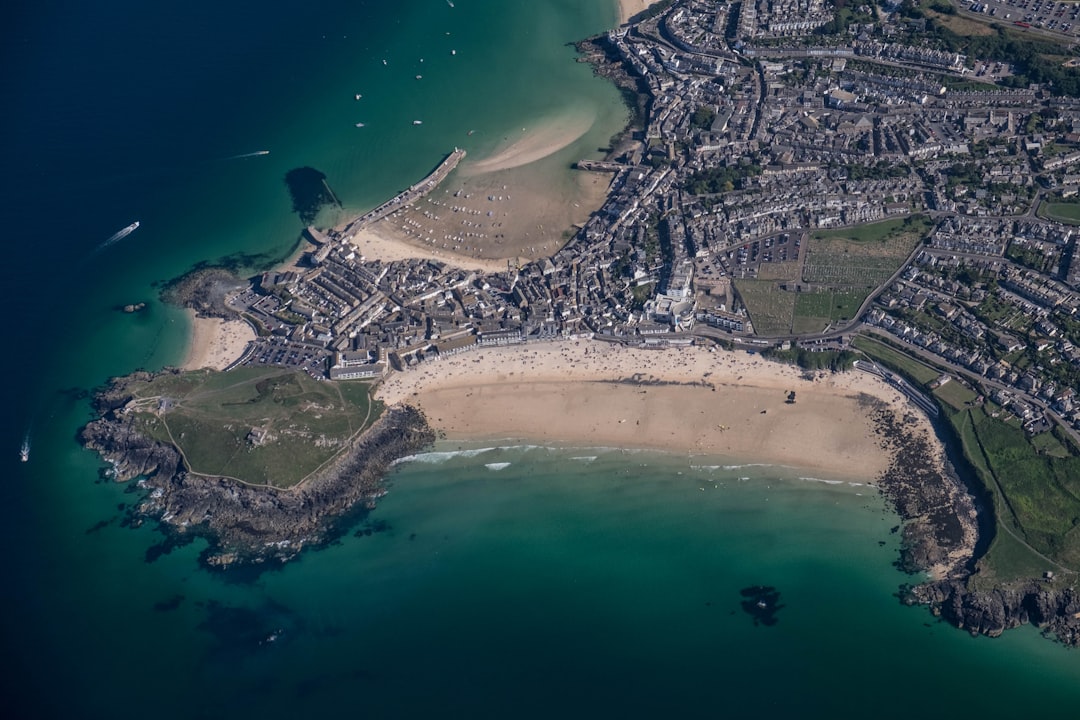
(24, 450)
(118, 236)
(257, 153)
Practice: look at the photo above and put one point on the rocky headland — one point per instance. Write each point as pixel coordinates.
(943, 537)
(249, 523)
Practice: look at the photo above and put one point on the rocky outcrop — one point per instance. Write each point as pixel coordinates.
(940, 528)
(992, 612)
(248, 523)
(204, 290)
(940, 536)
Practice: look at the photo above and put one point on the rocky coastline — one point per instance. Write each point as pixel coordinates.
(246, 523)
(942, 536)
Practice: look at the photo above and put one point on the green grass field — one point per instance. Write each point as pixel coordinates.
(913, 369)
(1065, 212)
(955, 394)
(1035, 482)
(771, 309)
(265, 426)
(864, 256)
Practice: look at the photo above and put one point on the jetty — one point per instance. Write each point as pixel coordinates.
(403, 198)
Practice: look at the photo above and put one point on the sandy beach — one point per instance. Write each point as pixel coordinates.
(547, 137)
(630, 8)
(483, 219)
(716, 403)
(215, 343)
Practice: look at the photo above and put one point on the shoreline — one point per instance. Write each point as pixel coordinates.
(693, 400)
(215, 343)
(630, 8)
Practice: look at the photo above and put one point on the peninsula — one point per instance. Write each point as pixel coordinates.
(860, 189)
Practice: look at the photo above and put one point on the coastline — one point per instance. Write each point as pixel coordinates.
(215, 342)
(714, 403)
(630, 8)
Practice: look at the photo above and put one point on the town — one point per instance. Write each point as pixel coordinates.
(803, 176)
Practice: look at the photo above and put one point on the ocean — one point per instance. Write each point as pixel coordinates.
(510, 582)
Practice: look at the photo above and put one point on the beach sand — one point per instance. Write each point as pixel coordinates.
(630, 8)
(516, 204)
(714, 403)
(215, 343)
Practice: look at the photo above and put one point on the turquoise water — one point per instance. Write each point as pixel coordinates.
(548, 586)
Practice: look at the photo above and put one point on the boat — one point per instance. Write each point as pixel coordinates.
(471, 132)
(359, 124)
(358, 96)
(383, 62)
(419, 77)
(417, 122)
(453, 52)
(450, 3)
(24, 451)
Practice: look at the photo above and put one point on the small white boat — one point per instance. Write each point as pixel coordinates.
(359, 124)
(24, 451)
(358, 96)
(419, 77)
(417, 122)
(453, 52)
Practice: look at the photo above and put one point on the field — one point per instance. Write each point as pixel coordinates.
(264, 426)
(894, 359)
(1035, 482)
(1038, 492)
(771, 309)
(815, 310)
(1066, 212)
(955, 394)
(864, 256)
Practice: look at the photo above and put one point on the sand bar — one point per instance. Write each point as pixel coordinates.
(215, 343)
(546, 138)
(719, 404)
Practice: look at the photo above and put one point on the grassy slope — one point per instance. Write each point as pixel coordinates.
(210, 417)
(1035, 482)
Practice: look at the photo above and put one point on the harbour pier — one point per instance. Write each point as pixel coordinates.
(405, 197)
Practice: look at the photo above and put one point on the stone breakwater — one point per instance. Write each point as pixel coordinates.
(247, 523)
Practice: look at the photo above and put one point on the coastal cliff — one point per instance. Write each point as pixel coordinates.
(248, 523)
(941, 537)
(1056, 611)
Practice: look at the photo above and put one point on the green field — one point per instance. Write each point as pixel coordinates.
(1039, 492)
(815, 310)
(1065, 212)
(864, 256)
(955, 394)
(264, 426)
(1035, 482)
(910, 367)
(770, 308)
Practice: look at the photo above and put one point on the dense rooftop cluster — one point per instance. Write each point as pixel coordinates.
(763, 127)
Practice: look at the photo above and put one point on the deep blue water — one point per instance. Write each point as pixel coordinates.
(550, 586)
